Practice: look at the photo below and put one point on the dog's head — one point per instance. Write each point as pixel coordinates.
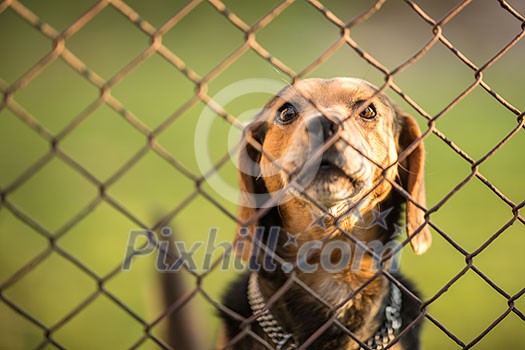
(332, 145)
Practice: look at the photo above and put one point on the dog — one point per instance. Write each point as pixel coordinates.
(331, 162)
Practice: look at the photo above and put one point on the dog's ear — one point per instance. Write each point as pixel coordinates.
(411, 172)
(252, 190)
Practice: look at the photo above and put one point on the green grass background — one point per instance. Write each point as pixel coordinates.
(153, 91)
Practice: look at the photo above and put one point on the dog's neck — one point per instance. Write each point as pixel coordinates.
(356, 310)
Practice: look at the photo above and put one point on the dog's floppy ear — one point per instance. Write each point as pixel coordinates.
(251, 186)
(411, 171)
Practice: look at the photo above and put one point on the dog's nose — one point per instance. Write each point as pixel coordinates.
(322, 127)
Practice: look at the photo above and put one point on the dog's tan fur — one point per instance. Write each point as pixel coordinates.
(368, 152)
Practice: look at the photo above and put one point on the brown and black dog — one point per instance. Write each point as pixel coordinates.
(331, 162)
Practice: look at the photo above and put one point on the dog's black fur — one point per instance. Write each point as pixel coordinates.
(305, 322)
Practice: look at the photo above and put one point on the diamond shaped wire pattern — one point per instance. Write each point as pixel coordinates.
(100, 131)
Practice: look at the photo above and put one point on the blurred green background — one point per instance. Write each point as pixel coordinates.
(104, 141)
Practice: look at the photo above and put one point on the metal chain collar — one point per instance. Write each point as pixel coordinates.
(392, 323)
(286, 341)
(270, 326)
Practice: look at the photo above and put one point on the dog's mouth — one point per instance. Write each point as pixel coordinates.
(330, 169)
(328, 165)
(331, 183)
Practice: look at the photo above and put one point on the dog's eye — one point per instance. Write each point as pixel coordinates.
(369, 112)
(287, 114)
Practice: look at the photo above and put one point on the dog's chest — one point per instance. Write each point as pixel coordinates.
(357, 311)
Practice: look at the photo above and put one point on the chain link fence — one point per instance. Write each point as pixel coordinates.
(78, 257)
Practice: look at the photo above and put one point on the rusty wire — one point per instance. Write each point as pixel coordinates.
(60, 50)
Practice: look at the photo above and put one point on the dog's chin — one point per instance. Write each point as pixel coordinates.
(330, 186)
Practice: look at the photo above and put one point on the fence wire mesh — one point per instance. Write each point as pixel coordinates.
(147, 135)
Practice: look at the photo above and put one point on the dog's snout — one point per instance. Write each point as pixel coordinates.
(323, 127)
